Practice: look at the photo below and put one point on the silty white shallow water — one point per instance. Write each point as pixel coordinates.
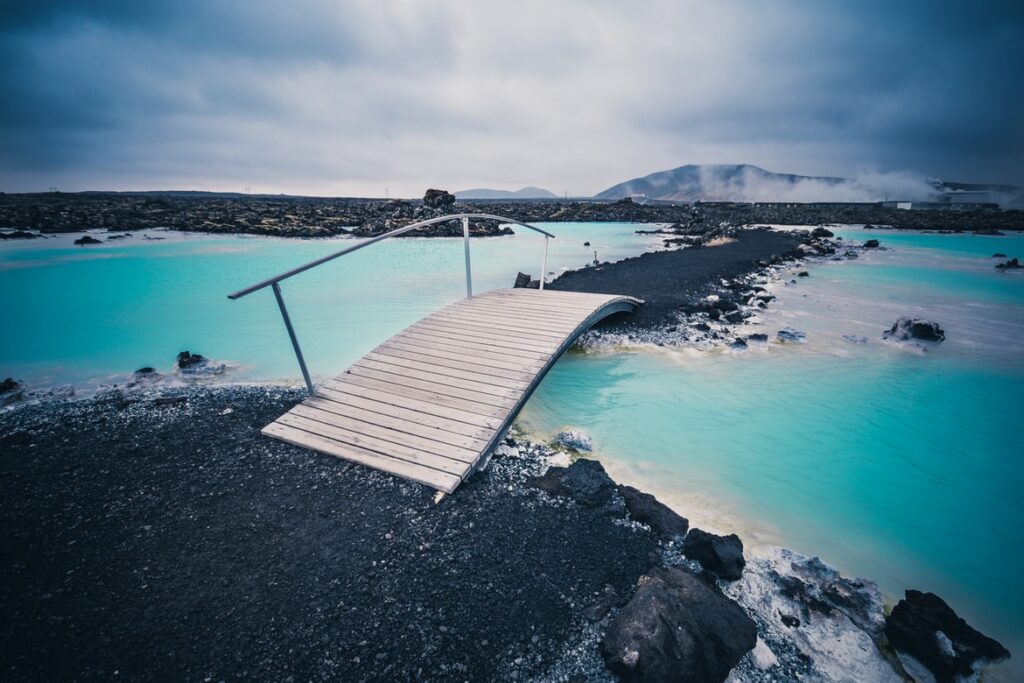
(893, 463)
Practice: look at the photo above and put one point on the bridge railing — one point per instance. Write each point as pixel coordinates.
(274, 282)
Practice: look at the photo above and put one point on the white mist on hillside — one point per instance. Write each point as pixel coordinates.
(754, 185)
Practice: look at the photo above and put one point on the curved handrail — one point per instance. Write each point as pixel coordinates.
(379, 238)
(274, 282)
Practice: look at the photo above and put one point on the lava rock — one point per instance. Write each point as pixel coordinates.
(1009, 265)
(791, 336)
(576, 440)
(438, 199)
(88, 239)
(734, 317)
(926, 628)
(998, 255)
(906, 329)
(871, 244)
(522, 281)
(646, 509)
(677, 627)
(803, 273)
(585, 481)
(720, 555)
(11, 391)
(758, 337)
(822, 232)
(187, 359)
(738, 343)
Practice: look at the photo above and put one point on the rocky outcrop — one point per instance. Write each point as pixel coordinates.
(194, 364)
(584, 481)
(575, 440)
(923, 626)
(677, 627)
(87, 239)
(646, 509)
(816, 624)
(1011, 264)
(871, 244)
(791, 336)
(820, 232)
(524, 281)
(438, 199)
(720, 555)
(11, 391)
(907, 329)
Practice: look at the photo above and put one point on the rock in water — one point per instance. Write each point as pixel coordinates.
(88, 239)
(522, 281)
(906, 329)
(677, 627)
(871, 244)
(822, 232)
(720, 555)
(646, 509)
(11, 391)
(791, 336)
(576, 440)
(438, 199)
(585, 481)
(923, 626)
(195, 364)
(1012, 264)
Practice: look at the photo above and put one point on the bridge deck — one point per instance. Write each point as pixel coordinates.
(428, 403)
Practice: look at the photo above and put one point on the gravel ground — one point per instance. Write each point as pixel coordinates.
(174, 542)
(667, 280)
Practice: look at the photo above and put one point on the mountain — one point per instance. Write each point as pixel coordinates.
(715, 182)
(525, 193)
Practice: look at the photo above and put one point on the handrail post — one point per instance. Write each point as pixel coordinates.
(469, 270)
(291, 333)
(544, 263)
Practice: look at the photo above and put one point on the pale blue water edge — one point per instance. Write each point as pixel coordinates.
(900, 466)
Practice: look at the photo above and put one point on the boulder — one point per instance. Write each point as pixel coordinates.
(791, 336)
(720, 555)
(906, 329)
(438, 199)
(871, 244)
(585, 481)
(677, 627)
(738, 343)
(646, 509)
(734, 317)
(195, 364)
(522, 281)
(1009, 265)
(998, 255)
(575, 440)
(822, 232)
(11, 391)
(803, 273)
(923, 626)
(88, 239)
(758, 337)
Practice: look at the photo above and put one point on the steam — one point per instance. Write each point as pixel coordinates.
(755, 185)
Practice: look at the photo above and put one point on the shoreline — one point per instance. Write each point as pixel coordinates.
(185, 513)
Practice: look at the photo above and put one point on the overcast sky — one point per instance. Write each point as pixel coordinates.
(350, 98)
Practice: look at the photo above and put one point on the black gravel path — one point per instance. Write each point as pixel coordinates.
(667, 280)
(175, 543)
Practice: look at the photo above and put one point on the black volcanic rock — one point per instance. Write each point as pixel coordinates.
(1012, 264)
(438, 199)
(925, 627)
(720, 555)
(585, 481)
(871, 244)
(822, 232)
(646, 509)
(677, 628)
(906, 329)
(87, 239)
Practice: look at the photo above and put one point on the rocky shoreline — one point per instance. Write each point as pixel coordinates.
(150, 538)
(24, 216)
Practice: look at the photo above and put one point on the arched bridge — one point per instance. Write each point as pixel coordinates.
(431, 401)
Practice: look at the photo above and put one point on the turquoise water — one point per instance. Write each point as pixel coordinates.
(892, 463)
(86, 315)
(896, 464)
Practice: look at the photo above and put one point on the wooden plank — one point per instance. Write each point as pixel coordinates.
(498, 360)
(506, 320)
(426, 385)
(550, 296)
(391, 416)
(513, 347)
(483, 383)
(424, 475)
(496, 337)
(409, 403)
(425, 395)
(460, 368)
(494, 328)
(381, 439)
(499, 311)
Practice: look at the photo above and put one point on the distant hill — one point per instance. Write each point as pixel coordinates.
(716, 182)
(525, 193)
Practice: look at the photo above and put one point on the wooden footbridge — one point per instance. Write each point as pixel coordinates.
(432, 401)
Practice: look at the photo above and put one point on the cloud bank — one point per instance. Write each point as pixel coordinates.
(350, 98)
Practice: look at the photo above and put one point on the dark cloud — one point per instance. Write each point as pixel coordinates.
(351, 97)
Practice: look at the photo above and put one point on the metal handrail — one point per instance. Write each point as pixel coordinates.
(275, 281)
